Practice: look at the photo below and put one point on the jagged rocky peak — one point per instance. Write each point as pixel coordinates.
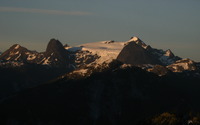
(169, 53)
(14, 53)
(55, 54)
(135, 54)
(138, 41)
(16, 46)
(54, 45)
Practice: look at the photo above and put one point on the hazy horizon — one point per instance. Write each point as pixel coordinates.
(162, 24)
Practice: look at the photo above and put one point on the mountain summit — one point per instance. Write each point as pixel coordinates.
(138, 41)
(17, 53)
(56, 54)
(54, 46)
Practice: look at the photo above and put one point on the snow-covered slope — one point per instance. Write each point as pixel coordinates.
(109, 50)
(181, 65)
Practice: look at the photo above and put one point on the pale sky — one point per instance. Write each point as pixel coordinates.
(164, 24)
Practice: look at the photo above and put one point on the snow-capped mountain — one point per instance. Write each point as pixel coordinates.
(55, 55)
(133, 51)
(109, 50)
(18, 53)
(105, 50)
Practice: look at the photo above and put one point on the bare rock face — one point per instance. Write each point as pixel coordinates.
(55, 46)
(135, 54)
(56, 54)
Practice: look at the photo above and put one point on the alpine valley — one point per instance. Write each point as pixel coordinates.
(107, 82)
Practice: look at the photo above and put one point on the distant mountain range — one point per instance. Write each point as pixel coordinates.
(133, 51)
(80, 58)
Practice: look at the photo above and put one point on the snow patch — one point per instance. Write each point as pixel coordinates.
(107, 52)
(16, 52)
(124, 66)
(168, 53)
(31, 57)
(81, 71)
(18, 57)
(46, 61)
(17, 46)
(135, 39)
(184, 64)
(8, 58)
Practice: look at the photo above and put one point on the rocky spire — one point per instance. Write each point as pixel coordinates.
(56, 54)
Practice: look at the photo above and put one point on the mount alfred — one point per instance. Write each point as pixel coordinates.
(134, 52)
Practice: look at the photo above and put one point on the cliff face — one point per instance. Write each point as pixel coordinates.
(135, 54)
(56, 54)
